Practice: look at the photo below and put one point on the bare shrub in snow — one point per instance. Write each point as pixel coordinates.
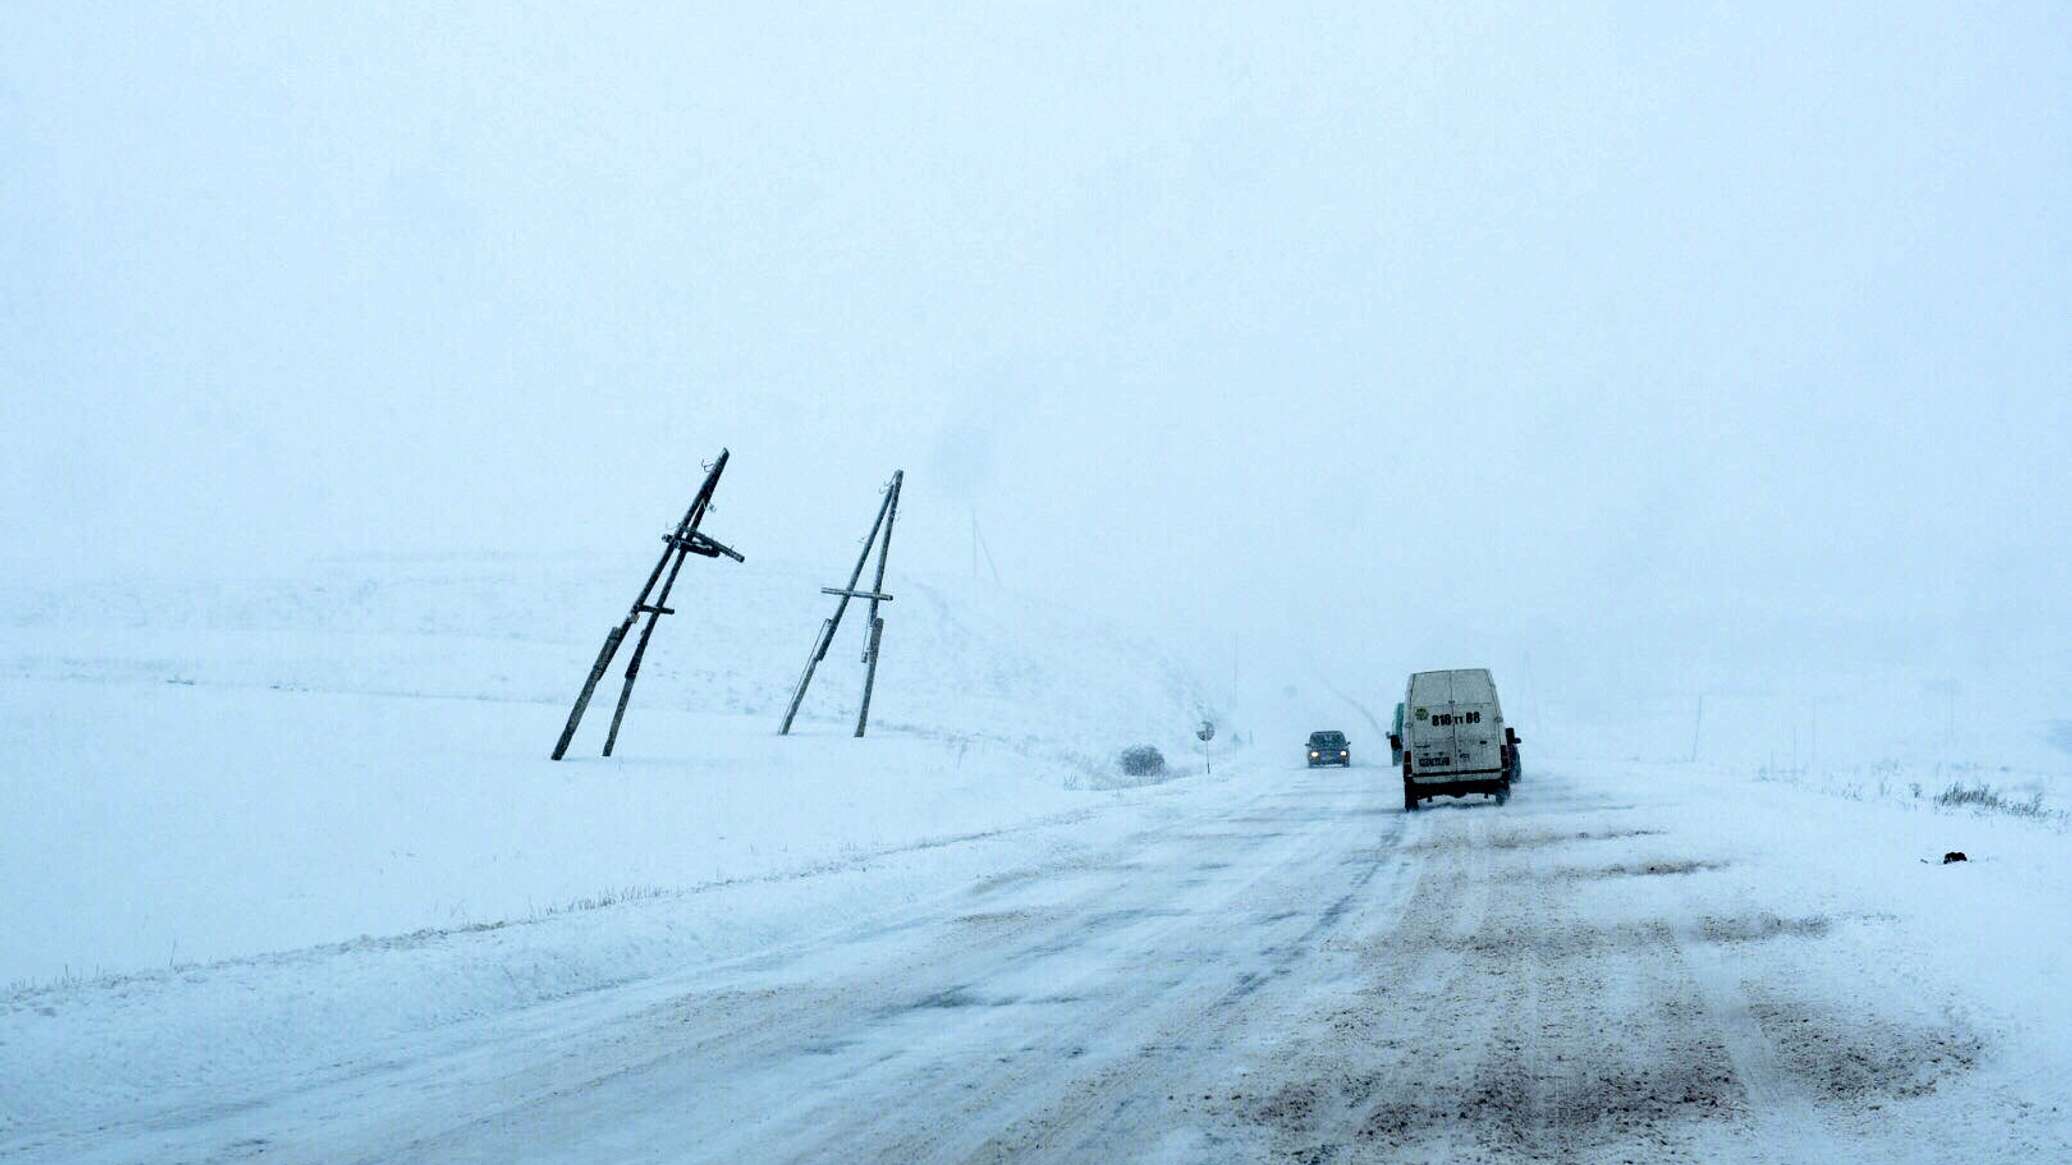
(1142, 760)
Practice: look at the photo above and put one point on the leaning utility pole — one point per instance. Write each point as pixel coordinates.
(685, 539)
(978, 546)
(888, 510)
(1697, 722)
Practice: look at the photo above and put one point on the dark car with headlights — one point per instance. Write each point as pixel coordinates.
(1329, 748)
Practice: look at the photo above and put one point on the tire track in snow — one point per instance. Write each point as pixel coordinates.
(1497, 1022)
(1094, 1076)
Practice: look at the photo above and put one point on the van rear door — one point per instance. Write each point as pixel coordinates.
(1476, 737)
(1430, 737)
(1478, 722)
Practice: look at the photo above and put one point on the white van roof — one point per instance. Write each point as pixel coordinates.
(1467, 685)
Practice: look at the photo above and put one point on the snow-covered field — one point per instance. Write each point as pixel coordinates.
(204, 771)
(288, 876)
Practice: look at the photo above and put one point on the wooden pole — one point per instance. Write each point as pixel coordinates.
(1697, 723)
(877, 625)
(830, 626)
(879, 540)
(612, 639)
(685, 539)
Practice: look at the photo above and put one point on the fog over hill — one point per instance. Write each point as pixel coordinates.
(1348, 339)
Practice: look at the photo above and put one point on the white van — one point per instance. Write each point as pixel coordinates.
(1454, 738)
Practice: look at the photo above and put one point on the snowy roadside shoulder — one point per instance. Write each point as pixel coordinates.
(84, 1055)
(1964, 789)
(1971, 953)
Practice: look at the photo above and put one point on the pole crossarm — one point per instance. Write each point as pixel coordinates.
(873, 595)
(686, 539)
(702, 546)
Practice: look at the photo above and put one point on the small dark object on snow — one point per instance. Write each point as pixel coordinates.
(1142, 761)
(1955, 855)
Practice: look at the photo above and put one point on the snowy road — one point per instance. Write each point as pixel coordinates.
(1069, 1011)
(1287, 968)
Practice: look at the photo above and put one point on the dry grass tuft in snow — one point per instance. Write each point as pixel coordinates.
(1985, 797)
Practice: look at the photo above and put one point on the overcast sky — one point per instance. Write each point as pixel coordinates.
(1284, 322)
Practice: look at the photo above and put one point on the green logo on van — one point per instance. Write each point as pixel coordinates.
(1420, 713)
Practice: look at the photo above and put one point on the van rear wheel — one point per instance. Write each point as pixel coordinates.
(1409, 798)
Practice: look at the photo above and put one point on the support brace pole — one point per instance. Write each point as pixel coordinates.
(870, 674)
(611, 738)
(827, 634)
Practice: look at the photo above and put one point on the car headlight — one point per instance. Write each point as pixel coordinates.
(1312, 756)
(1342, 752)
